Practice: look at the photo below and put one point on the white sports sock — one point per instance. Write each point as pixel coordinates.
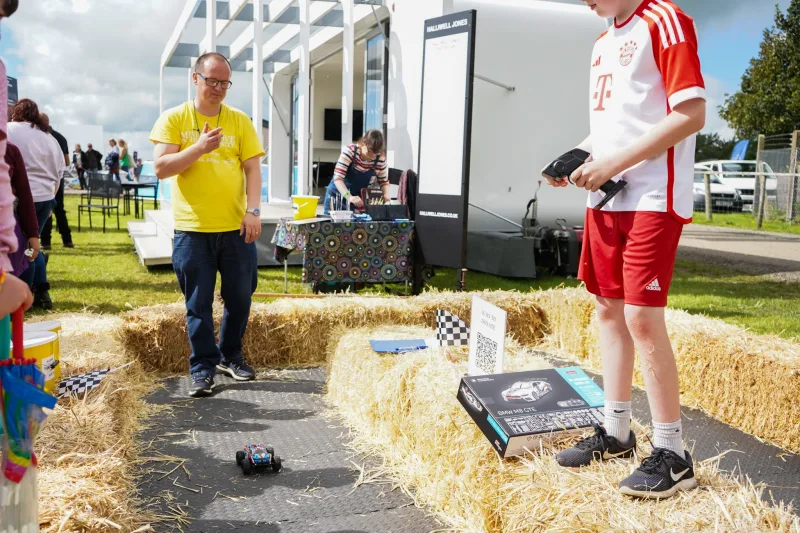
(669, 436)
(618, 420)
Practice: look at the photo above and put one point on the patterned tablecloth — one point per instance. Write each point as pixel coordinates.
(347, 252)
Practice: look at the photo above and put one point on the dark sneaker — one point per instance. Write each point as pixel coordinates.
(202, 385)
(238, 370)
(598, 447)
(660, 476)
(46, 247)
(69, 245)
(42, 299)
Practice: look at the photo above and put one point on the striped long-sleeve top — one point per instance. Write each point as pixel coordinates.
(351, 155)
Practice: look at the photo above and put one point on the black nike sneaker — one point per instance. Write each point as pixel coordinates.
(598, 447)
(238, 370)
(660, 476)
(202, 385)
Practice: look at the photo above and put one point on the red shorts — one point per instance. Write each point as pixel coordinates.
(629, 255)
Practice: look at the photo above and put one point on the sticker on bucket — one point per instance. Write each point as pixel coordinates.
(49, 367)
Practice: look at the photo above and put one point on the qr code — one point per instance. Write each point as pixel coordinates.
(486, 354)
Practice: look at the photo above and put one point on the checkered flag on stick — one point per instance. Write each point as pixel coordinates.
(451, 330)
(82, 383)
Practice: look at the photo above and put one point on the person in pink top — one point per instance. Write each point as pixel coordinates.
(14, 293)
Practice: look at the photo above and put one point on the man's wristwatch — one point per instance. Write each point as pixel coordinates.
(255, 211)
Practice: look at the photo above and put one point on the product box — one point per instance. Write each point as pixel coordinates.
(516, 411)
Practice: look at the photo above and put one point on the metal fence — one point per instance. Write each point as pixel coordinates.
(739, 186)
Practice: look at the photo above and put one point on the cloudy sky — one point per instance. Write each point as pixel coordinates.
(96, 61)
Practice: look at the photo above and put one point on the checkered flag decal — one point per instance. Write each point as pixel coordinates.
(81, 383)
(451, 330)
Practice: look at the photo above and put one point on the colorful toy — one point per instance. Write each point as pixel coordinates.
(255, 456)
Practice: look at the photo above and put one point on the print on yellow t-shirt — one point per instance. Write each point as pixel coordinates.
(209, 196)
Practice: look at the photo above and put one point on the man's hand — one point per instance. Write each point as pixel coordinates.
(251, 228)
(33, 244)
(356, 201)
(209, 140)
(593, 174)
(556, 183)
(14, 294)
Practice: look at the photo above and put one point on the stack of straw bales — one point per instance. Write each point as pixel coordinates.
(748, 381)
(403, 410)
(296, 332)
(87, 449)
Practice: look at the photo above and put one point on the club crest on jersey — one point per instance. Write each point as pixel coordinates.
(626, 53)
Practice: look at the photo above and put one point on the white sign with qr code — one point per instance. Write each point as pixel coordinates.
(487, 338)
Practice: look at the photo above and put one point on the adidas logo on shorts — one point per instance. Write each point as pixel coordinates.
(654, 286)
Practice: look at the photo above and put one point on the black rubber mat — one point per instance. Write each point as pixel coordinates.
(316, 490)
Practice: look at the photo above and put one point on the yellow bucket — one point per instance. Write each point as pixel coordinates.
(40, 345)
(53, 326)
(304, 206)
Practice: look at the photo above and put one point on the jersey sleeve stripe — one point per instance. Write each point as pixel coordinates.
(675, 18)
(667, 22)
(684, 95)
(661, 30)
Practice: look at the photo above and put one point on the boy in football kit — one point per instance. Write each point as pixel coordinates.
(647, 102)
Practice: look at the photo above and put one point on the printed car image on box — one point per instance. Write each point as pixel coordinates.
(471, 399)
(528, 391)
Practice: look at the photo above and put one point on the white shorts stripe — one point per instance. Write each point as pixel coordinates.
(681, 36)
(667, 22)
(663, 33)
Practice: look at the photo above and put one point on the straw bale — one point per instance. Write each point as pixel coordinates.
(403, 409)
(87, 446)
(292, 332)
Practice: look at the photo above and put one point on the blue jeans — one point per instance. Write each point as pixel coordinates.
(196, 259)
(36, 275)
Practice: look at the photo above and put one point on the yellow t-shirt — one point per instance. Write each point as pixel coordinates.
(210, 195)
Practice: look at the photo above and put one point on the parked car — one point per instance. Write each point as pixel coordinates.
(528, 391)
(723, 197)
(741, 175)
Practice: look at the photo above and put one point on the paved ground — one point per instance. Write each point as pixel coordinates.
(776, 255)
(316, 492)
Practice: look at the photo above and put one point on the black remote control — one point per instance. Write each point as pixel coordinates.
(566, 164)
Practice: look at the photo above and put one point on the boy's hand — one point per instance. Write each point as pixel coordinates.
(556, 183)
(14, 294)
(593, 174)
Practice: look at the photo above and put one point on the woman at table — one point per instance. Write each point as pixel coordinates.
(125, 159)
(359, 165)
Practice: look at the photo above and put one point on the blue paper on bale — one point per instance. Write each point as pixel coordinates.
(395, 346)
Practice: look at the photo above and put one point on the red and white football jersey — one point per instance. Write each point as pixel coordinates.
(641, 69)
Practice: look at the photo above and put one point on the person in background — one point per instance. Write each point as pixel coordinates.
(216, 200)
(358, 166)
(137, 173)
(125, 159)
(112, 159)
(58, 211)
(79, 160)
(27, 229)
(44, 162)
(14, 293)
(94, 159)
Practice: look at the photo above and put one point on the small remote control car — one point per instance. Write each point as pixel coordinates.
(256, 456)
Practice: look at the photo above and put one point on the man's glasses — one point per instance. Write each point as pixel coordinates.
(211, 82)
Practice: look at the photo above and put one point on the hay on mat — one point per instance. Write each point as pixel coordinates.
(87, 447)
(296, 332)
(403, 409)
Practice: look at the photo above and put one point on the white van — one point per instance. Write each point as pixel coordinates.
(741, 175)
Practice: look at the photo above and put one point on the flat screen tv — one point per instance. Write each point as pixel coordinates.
(333, 124)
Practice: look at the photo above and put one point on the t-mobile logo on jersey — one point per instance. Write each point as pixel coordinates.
(604, 83)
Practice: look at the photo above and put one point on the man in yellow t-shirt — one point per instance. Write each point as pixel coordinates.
(215, 154)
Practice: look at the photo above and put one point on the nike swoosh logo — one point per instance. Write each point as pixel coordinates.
(607, 455)
(676, 477)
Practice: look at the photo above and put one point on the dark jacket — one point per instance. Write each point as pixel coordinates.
(94, 160)
(83, 161)
(26, 211)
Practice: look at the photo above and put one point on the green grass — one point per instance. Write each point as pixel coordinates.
(103, 275)
(775, 223)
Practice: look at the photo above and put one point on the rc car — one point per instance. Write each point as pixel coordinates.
(529, 391)
(256, 456)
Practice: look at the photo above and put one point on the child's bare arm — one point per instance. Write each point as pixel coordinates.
(686, 119)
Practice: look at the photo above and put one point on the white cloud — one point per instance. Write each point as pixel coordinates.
(715, 96)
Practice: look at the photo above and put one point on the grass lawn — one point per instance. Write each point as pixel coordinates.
(103, 275)
(774, 224)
